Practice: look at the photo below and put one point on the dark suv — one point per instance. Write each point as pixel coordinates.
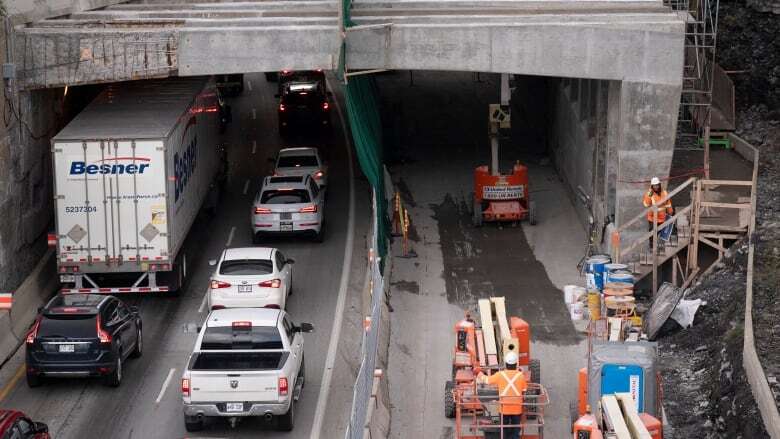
(304, 103)
(79, 335)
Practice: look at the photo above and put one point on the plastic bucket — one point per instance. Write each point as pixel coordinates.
(612, 267)
(573, 293)
(576, 311)
(594, 305)
(594, 271)
(625, 277)
(618, 289)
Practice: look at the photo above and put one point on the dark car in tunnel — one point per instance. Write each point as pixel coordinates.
(82, 335)
(304, 104)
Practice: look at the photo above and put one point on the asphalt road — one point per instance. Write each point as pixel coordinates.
(148, 403)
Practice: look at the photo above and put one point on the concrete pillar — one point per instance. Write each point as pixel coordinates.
(646, 120)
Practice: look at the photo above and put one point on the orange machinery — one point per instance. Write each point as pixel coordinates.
(502, 197)
(480, 349)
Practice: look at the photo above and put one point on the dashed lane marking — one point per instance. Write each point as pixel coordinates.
(230, 236)
(249, 84)
(165, 385)
(203, 302)
(246, 186)
(254, 146)
(254, 114)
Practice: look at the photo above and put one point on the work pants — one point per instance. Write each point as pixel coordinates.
(511, 432)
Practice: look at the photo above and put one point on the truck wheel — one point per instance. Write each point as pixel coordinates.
(286, 422)
(114, 379)
(532, 213)
(449, 400)
(193, 423)
(34, 380)
(477, 213)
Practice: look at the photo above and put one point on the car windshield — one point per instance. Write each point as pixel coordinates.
(295, 161)
(73, 326)
(248, 267)
(226, 338)
(291, 196)
(238, 360)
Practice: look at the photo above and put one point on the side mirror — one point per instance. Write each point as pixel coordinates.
(40, 309)
(289, 261)
(212, 262)
(40, 427)
(306, 327)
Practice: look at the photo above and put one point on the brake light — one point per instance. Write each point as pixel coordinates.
(105, 337)
(309, 209)
(69, 310)
(325, 105)
(318, 175)
(282, 107)
(283, 387)
(242, 325)
(274, 283)
(51, 239)
(262, 210)
(185, 387)
(217, 284)
(33, 331)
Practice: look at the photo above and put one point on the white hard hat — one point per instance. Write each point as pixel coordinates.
(655, 181)
(511, 358)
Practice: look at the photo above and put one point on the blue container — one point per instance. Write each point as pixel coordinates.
(611, 268)
(594, 272)
(619, 378)
(621, 276)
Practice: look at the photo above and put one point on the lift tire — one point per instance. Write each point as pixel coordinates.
(286, 422)
(449, 400)
(532, 213)
(193, 423)
(573, 415)
(535, 367)
(477, 213)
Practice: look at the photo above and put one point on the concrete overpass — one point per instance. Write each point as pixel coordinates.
(618, 63)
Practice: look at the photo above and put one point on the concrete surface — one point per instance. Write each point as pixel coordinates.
(442, 138)
(27, 11)
(86, 409)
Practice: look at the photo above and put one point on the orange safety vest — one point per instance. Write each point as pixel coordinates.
(651, 198)
(511, 385)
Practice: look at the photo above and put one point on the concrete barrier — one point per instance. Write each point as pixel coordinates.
(36, 289)
(26, 11)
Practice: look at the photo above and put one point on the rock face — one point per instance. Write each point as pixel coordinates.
(765, 5)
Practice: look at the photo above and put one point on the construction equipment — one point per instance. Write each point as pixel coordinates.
(501, 197)
(480, 348)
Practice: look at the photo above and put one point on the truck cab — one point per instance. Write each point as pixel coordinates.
(246, 362)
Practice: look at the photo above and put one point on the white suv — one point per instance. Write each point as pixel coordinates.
(302, 161)
(251, 277)
(292, 205)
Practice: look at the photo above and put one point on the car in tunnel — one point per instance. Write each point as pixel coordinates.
(247, 362)
(250, 277)
(304, 106)
(301, 161)
(82, 335)
(291, 205)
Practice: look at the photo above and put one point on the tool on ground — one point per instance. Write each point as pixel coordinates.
(501, 197)
(483, 348)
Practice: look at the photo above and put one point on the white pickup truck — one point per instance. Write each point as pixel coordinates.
(246, 362)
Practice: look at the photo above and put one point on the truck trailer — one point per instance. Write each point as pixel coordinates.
(131, 173)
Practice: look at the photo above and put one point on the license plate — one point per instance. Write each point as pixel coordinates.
(286, 227)
(67, 348)
(67, 278)
(245, 288)
(285, 215)
(235, 407)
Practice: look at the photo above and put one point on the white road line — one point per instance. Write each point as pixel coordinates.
(203, 303)
(246, 186)
(254, 114)
(249, 84)
(254, 146)
(230, 237)
(335, 333)
(165, 385)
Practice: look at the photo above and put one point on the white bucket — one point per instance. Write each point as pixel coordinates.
(569, 295)
(576, 311)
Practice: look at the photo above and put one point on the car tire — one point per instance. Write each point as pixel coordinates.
(286, 422)
(255, 238)
(193, 423)
(114, 379)
(139, 344)
(34, 380)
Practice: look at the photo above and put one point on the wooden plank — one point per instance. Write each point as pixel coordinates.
(720, 235)
(615, 328)
(725, 205)
(726, 182)
(481, 348)
(503, 326)
(716, 228)
(614, 417)
(712, 244)
(631, 416)
(488, 332)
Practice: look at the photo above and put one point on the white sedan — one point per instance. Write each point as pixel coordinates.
(302, 161)
(250, 277)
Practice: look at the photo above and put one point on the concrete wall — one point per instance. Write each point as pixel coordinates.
(26, 11)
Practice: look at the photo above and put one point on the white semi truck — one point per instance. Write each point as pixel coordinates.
(131, 173)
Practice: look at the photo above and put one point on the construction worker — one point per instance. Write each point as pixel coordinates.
(653, 196)
(511, 385)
